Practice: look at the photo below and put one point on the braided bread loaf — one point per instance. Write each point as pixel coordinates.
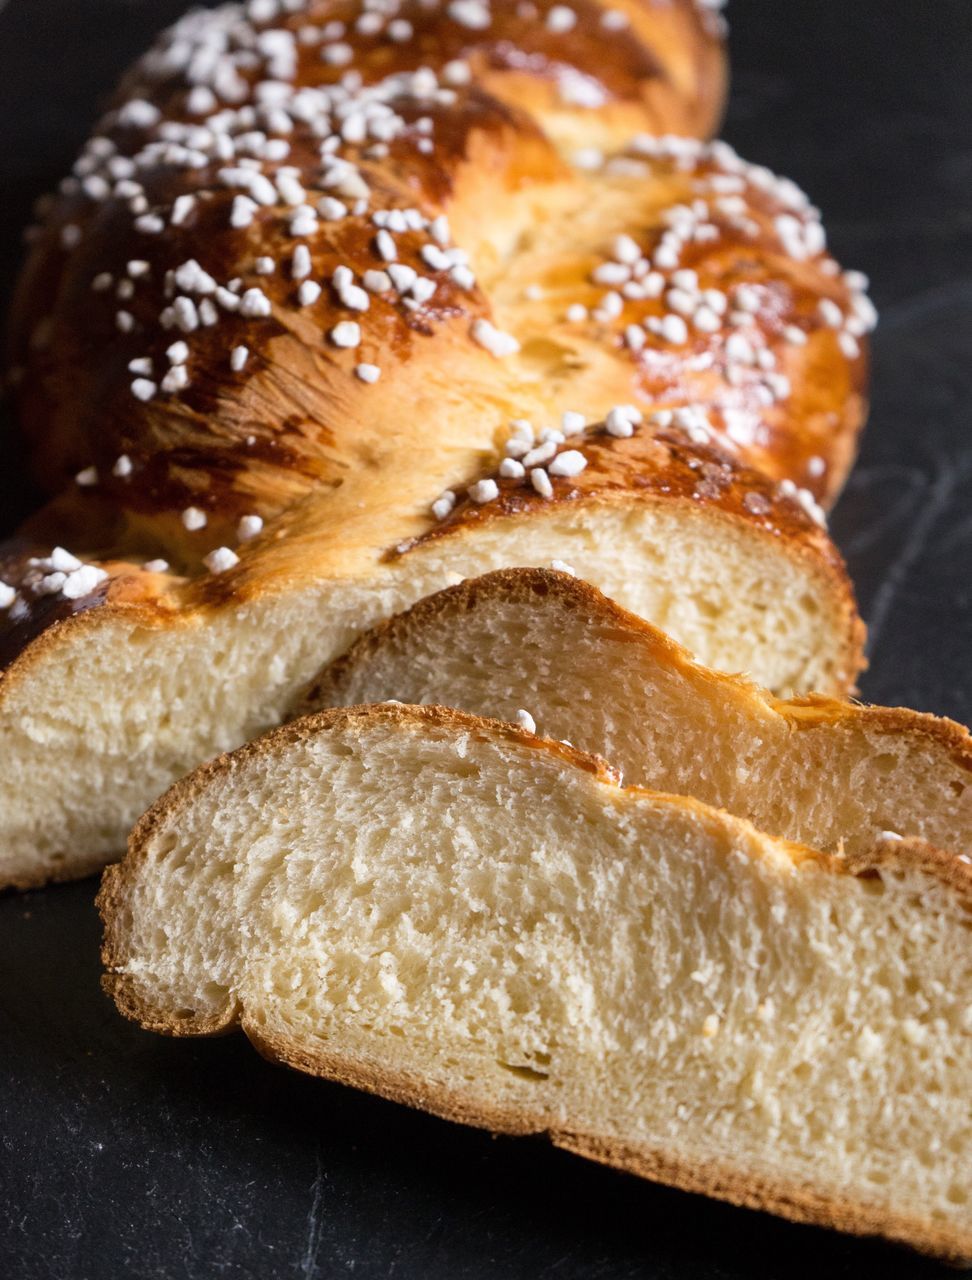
(345, 300)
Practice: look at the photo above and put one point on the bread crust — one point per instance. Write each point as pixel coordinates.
(665, 74)
(752, 1190)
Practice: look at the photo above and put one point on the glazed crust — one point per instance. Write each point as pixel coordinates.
(665, 74)
(801, 1204)
(140, 251)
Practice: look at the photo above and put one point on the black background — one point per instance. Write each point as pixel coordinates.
(122, 1154)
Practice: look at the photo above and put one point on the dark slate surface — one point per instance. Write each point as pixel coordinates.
(125, 1155)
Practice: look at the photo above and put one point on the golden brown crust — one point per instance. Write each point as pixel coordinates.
(903, 854)
(799, 1203)
(234, 443)
(76, 404)
(280, 438)
(651, 463)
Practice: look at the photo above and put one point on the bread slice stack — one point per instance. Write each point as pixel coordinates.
(460, 915)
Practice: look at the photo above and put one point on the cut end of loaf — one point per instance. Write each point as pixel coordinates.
(152, 695)
(454, 913)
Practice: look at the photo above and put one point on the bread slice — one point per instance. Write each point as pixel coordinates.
(830, 774)
(459, 915)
